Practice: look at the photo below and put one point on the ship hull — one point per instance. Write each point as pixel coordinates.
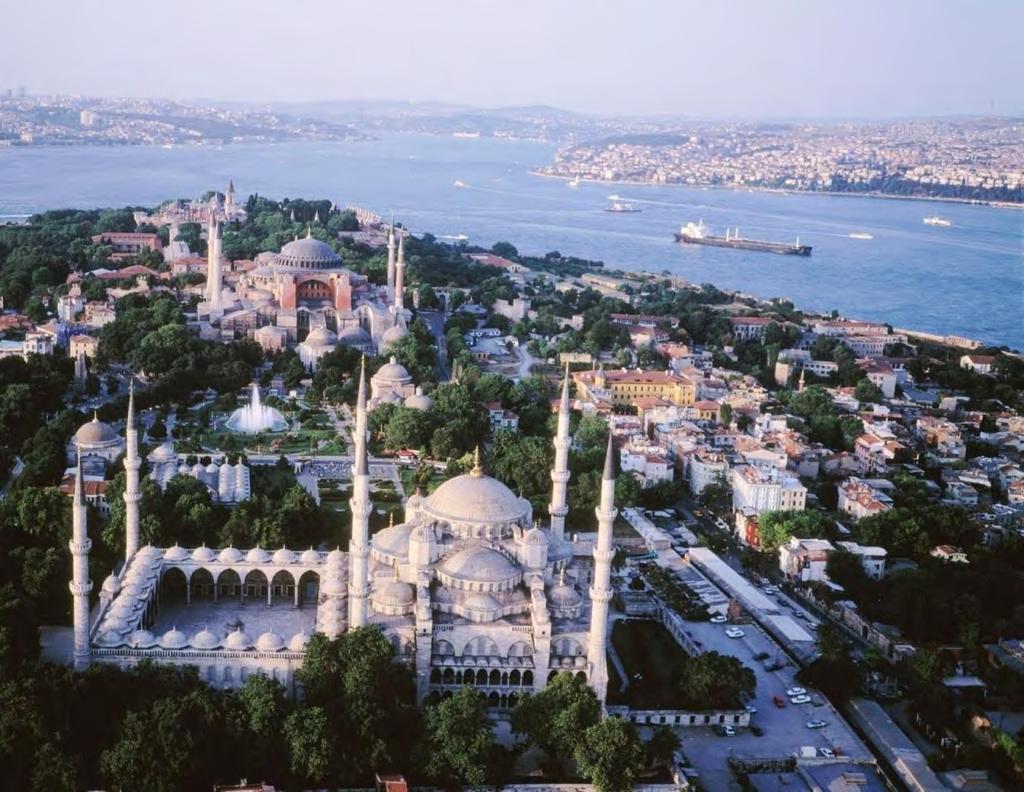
(746, 244)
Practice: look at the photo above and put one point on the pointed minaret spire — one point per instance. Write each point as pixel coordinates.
(559, 507)
(80, 585)
(359, 545)
(601, 590)
(132, 463)
(400, 276)
(391, 261)
(478, 469)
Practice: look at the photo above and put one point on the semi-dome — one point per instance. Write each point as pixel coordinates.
(535, 536)
(394, 593)
(393, 541)
(203, 554)
(308, 254)
(163, 453)
(174, 639)
(237, 640)
(299, 641)
(481, 604)
(284, 556)
(320, 338)
(421, 532)
(229, 555)
(111, 585)
(419, 401)
(393, 335)
(115, 623)
(564, 595)
(310, 557)
(270, 641)
(110, 638)
(204, 639)
(479, 564)
(393, 372)
(353, 336)
(475, 498)
(257, 555)
(175, 553)
(95, 433)
(142, 639)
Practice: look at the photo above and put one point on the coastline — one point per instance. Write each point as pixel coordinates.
(779, 191)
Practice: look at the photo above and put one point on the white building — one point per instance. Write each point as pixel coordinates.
(872, 559)
(805, 559)
(764, 489)
(704, 468)
(858, 498)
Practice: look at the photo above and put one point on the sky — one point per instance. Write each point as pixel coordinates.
(710, 59)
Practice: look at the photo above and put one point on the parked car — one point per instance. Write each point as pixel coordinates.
(750, 708)
(735, 632)
(800, 700)
(827, 753)
(761, 656)
(718, 619)
(795, 691)
(725, 730)
(816, 723)
(779, 702)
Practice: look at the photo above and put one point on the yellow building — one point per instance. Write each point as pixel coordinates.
(621, 387)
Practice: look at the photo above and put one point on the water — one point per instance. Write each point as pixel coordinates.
(966, 279)
(256, 417)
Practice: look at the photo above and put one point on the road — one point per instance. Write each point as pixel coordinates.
(435, 321)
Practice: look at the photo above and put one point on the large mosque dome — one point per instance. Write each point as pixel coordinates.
(474, 498)
(308, 254)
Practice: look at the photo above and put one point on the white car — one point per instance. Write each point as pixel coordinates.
(817, 723)
(800, 700)
(718, 619)
(735, 632)
(750, 708)
(795, 691)
(827, 753)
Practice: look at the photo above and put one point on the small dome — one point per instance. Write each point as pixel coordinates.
(203, 555)
(163, 452)
(257, 555)
(393, 335)
(270, 642)
(564, 595)
(393, 541)
(150, 553)
(174, 639)
(114, 623)
(142, 639)
(111, 585)
(419, 401)
(230, 555)
(320, 338)
(421, 533)
(333, 586)
(392, 372)
(481, 603)
(479, 564)
(310, 557)
(110, 638)
(204, 639)
(353, 336)
(299, 641)
(284, 556)
(335, 557)
(535, 536)
(237, 641)
(176, 553)
(394, 593)
(95, 433)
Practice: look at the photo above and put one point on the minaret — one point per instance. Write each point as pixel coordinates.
(800, 385)
(359, 544)
(213, 276)
(400, 276)
(132, 463)
(391, 262)
(601, 590)
(558, 507)
(80, 585)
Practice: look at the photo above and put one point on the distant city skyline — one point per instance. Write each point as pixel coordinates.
(746, 59)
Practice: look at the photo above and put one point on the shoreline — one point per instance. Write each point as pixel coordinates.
(779, 191)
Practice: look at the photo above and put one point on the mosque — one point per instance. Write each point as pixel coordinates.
(305, 290)
(469, 587)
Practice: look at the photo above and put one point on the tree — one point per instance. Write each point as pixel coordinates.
(717, 496)
(867, 391)
(505, 250)
(555, 719)
(775, 528)
(408, 428)
(310, 739)
(610, 755)
(263, 709)
(662, 746)
(460, 740)
(725, 414)
(715, 681)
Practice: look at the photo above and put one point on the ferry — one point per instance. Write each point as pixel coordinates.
(574, 182)
(935, 220)
(860, 235)
(459, 183)
(696, 234)
(622, 207)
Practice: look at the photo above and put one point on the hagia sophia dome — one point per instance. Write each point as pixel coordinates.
(308, 254)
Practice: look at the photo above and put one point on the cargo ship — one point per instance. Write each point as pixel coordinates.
(696, 234)
(622, 207)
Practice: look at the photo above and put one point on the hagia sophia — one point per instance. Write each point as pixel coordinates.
(470, 588)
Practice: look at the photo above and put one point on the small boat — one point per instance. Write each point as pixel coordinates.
(622, 207)
(860, 235)
(459, 183)
(935, 220)
(614, 198)
(574, 182)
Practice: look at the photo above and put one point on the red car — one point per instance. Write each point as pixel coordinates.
(778, 702)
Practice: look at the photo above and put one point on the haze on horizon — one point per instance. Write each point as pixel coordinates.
(742, 59)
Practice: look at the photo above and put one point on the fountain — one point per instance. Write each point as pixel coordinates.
(256, 417)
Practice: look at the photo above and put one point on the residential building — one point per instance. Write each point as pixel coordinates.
(649, 467)
(872, 559)
(765, 489)
(620, 387)
(881, 374)
(805, 559)
(706, 467)
(979, 364)
(128, 244)
(857, 498)
(502, 419)
(949, 553)
(83, 344)
(749, 328)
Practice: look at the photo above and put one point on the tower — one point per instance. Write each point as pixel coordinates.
(213, 274)
(229, 198)
(80, 585)
(559, 507)
(800, 385)
(391, 261)
(359, 545)
(400, 276)
(81, 369)
(132, 463)
(601, 590)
